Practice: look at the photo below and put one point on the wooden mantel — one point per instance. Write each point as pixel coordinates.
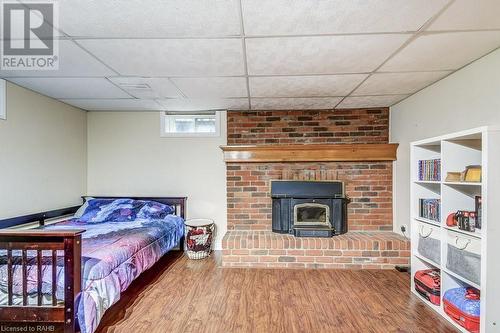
(310, 153)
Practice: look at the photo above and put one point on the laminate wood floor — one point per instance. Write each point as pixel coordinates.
(181, 295)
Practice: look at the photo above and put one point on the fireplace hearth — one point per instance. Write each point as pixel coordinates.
(309, 208)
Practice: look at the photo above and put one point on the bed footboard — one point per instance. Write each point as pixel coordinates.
(27, 251)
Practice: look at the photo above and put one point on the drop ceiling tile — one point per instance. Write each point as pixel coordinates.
(398, 83)
(169, 57)
(285, 17)
(212, 87)
(320, 55)
(72, 87)
(73, 61)
(151, 19)
(154, 88)
(297, 103)
(443, 51)
(204, 104)
(304, 86)
(469, 15)
(114, 104)
(369, 101)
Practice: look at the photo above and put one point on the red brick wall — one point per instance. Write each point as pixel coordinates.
(308, 126)
(368, 184)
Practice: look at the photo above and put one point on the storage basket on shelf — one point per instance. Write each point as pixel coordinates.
(199, 234)
(464, 256)
(429, 244)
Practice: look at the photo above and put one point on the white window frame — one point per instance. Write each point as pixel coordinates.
(166, 116)
(3, 99)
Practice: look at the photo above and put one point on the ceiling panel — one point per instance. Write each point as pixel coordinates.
(152, 18)
(212, 87)
(443, 51)
(294, 103)
(320, 55)
(469, 15)
(114, 104)
(398, 83)
(73, 61)
(292, 17)
(369, 101)
(189, 54)
(147, 88)
(169, 57)
(72, 87)
(204, 104)
(304, 86)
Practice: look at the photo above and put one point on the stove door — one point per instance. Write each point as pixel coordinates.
(311, 212)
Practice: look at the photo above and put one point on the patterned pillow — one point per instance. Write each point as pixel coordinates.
(111, 210)
(154, 210)
(79, 213)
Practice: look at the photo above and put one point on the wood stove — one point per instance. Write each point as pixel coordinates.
(309, 208)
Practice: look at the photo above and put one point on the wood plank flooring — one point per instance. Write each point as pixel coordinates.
(181, 295)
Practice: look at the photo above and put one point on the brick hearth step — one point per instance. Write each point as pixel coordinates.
(358, 250)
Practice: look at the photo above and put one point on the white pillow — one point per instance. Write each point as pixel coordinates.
(81, 210)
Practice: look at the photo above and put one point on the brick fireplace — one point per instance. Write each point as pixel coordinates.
(369, 243)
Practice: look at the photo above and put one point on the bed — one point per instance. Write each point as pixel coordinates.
(98, 253)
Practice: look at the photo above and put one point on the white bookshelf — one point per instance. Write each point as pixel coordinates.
(479, 146)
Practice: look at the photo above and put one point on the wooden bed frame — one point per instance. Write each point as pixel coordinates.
(57, 317)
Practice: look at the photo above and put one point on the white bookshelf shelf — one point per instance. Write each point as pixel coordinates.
(428, 221)
(437, 182)
(461, 278)
(435, 307)
(476, 234)
(428, 261)
(456, 151)
(462, 184)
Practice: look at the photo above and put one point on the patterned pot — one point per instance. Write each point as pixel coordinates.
(199, 234)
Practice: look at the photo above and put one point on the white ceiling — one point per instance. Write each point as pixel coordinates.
(259, 54)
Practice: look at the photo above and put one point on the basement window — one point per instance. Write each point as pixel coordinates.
(190, 124)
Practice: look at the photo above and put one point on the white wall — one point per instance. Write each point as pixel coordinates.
(127, 156)
(42, 154)
(466, 99)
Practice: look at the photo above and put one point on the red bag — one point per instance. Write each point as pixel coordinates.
(451, 220)
(463, 306)
(428, 285)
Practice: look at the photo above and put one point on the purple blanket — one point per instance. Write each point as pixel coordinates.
(113, 255)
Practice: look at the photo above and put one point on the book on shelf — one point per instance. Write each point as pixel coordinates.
(430, 209)
(429, 170)
(479, 211)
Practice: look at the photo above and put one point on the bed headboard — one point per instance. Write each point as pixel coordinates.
(179, 203)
